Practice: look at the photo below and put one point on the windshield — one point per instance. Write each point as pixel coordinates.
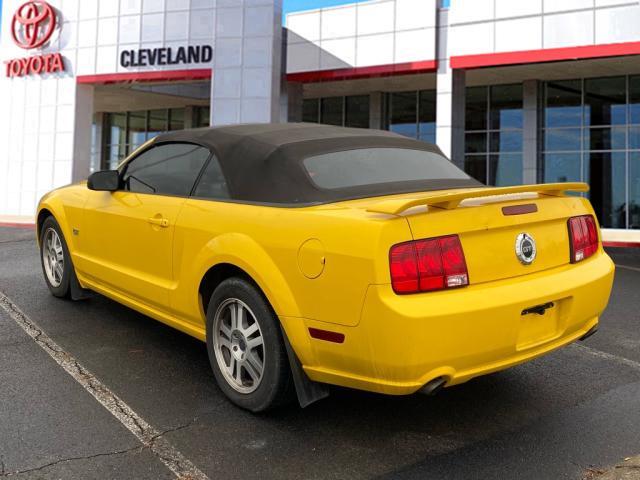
(370, 166)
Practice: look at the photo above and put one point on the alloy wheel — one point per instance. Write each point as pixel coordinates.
(53, 257)
(238, 345)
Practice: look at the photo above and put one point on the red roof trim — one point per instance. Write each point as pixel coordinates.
(28, 226)
(545, 55)
(427, 66)
(622, 244)
(155, 76)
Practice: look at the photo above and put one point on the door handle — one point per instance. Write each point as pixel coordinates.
(160, 222)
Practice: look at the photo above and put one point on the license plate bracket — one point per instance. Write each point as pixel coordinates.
(538, 324)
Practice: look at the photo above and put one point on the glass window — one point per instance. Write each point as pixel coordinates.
(562, 167)
(351, 111)
(475, 116)
(137, 129)
(563, 104)
(96, 141)
(158, 120)
(605, 138)
(203, 117)
(403, 113)
(634, 100)
(176, 119)
(634, 190)
(506, 107)
(634, 138)
(212, 184)
(506, 141)
(427, 116)
(310, 110)
(369, 166)
(114, 155)
(505, 169)
(604, 119)
(169, 169)
(413, 114)
(562, 139)
(476, 142)
(117, 128)
(357, 111)
(331, 110)
(605, 101)
(494, 125)
(608, 188)
(476, 166)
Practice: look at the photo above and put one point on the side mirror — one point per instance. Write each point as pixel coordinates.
(104, 181)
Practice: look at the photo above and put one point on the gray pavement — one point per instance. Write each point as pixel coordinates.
(566, 415)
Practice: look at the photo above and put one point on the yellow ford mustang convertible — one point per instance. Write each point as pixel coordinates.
(307, 255)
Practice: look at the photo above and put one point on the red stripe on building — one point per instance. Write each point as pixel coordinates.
(621, 244)
(545, 55)
(155, 76)
(426, 66)
(28, 226)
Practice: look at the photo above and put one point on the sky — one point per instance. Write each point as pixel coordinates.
(298, 5)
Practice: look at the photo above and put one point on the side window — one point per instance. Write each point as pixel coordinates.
(169, 169)
(212, 184)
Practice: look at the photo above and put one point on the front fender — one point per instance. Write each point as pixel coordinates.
(245, 253)
(53, 204)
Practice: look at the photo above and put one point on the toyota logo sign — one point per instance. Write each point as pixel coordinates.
(31, 27)
(33, 24)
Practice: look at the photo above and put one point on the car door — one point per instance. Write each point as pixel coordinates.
(203, 217)
(128, 234)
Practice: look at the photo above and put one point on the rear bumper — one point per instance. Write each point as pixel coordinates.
(403, 342)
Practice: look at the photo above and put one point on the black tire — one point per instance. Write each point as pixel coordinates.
(275, 386)
(63, 289)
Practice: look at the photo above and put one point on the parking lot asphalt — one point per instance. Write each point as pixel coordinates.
(566, 415)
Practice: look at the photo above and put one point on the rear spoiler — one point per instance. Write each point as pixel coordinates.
(451, 199)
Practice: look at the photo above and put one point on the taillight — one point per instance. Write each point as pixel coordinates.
(427, 265)
(583, 236)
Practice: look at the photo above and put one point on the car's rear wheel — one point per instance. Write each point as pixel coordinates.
(245, 346)
(55, 258)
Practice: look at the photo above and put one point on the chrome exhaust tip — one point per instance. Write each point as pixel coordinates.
(434, 386)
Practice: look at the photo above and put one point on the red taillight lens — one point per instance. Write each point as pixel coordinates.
(404, 268)
(583, 235)
(427, 265)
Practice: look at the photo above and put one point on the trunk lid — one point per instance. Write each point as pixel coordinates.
(490, 222)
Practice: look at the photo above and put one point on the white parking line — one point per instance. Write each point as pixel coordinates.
(608, 356)
(627, 267)
(149, 436)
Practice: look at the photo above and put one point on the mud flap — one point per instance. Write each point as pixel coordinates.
(307, 390)
(75, 290)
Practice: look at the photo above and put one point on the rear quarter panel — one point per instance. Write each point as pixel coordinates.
(266, 242)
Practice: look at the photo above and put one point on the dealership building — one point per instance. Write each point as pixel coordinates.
(513, 91)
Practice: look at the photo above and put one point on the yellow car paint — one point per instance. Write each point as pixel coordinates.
(327, 267)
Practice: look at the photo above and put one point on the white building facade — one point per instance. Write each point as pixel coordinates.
(514, 91)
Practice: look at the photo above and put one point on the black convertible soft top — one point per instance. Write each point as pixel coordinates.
(263, 163)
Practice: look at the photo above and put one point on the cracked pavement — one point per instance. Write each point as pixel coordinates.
(571, 414)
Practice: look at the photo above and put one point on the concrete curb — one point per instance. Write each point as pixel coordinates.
(628, 470)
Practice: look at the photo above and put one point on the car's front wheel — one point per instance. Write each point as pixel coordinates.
(245, 347)
(55, 258)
